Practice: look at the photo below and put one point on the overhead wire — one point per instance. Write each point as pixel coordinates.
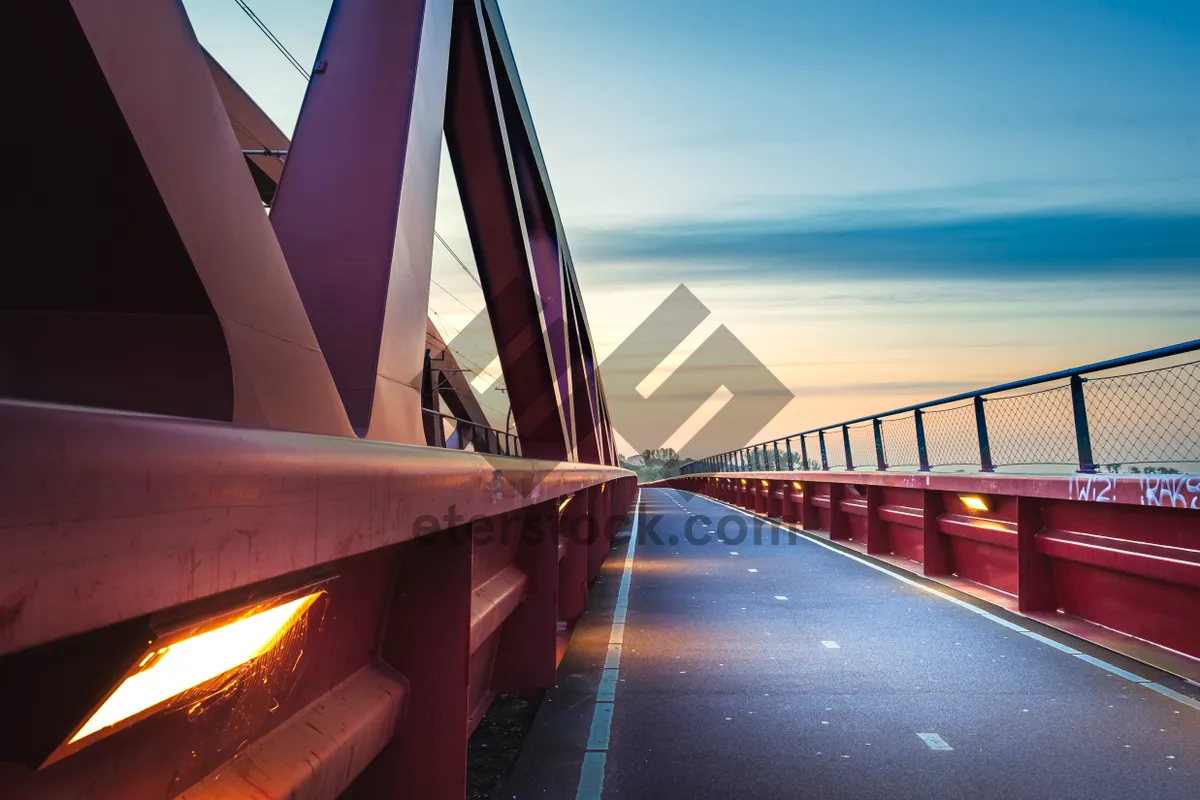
(480, 370)
(262, 26)
(454, 255)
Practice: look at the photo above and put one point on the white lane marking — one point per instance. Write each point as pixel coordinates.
(591, 774)
(613, 659)
(733, 552)
(1096, 662)
(830, 644)
(601, 726)
(781, 597)
(1104, 665)
(934, 741)
(752, 569)
(1174, 695)
(608, 686)
(1051, 643)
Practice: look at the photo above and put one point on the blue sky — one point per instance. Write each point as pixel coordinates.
(884, 200)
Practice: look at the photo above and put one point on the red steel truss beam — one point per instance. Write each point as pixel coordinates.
(354, 211)
(149, 64)
(514, 232)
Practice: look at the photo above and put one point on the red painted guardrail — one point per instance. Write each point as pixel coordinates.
(1121, 553)
(444, 577)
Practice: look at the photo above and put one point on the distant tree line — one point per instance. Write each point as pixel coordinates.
(654, 465)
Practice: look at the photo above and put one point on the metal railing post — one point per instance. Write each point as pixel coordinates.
(1083, 436)
(922, 450)
(824, 456)
(985, 448)
(803, 452)
(776, 445)
(846, 444)
(880, 462)
(787, 445)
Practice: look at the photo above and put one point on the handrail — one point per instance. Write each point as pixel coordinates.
(1074, 374)
(511, 443)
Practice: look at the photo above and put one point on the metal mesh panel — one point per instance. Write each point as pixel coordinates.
(1032, 428)
(862, 446)
(951, 436)
(835, 449)
(814, 455)
(1150, 417)
(900, 442)
(795, 456)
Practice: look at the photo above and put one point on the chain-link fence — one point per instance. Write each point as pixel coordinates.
(1088, 419)
(835, 448)
(1034, 428)
(862, 446)
(951, 436)
(1149, 417)
(900, 441)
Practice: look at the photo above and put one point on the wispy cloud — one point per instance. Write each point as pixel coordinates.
(1029, 245)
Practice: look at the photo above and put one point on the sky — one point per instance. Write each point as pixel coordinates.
(886, 202)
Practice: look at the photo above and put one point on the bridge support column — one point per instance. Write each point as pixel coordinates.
(428, 641)
(1035, 578)
(878, 541)
(839, 523)
(573, 566)
(793, 501)
(776, 499)
(598, 543)
(525, 657)
(939, 559)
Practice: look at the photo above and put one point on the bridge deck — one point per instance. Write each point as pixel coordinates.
(792, 669)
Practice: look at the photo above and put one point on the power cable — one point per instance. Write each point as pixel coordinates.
(262, 26)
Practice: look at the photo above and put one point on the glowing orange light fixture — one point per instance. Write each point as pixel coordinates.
(973, 502)
(169, 671)
(563, 504)
(795, 484)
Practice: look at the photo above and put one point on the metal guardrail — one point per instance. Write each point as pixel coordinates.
(436, 578)
(467, 433)
(1094, 424)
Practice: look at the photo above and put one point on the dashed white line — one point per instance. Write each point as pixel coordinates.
(934, 741)
(830, 644)
(1096, 662)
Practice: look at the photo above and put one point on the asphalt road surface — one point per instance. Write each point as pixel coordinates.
(784, 668)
